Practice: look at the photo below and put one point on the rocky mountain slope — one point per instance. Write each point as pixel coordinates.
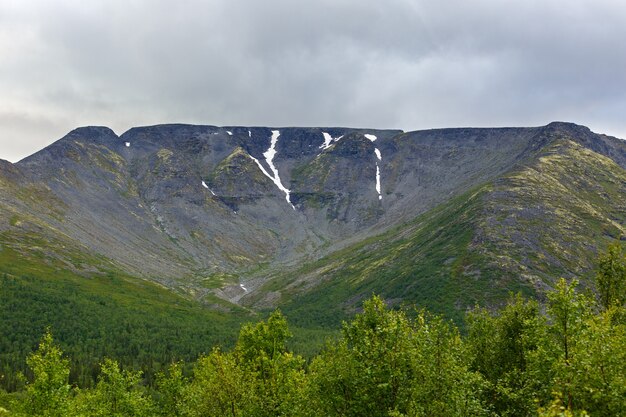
(314, 219)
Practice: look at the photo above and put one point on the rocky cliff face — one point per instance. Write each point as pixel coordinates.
(206, 208)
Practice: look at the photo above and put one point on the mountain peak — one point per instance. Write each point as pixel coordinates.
(568, 128)
(92, 132)
(606, 145)
(8, 170)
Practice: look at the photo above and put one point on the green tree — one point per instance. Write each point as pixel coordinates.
(117, 394)
(599, 367)
(48, 395)
(557, 409)
(219, 388)
(277, 376)
(265, 339)
(568, 311)
(500, 347)
(171, 389)
(385, 364)
(442, 383)
(368, 371)
(611, 276)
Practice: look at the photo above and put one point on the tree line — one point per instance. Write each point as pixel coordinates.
(566, 357)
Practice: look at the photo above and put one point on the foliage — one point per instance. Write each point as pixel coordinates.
(117, 394)
(599, 367)
(517, 361)
(611, 276)
(48, 394)
(171, 387)
(218, 388)
(276, 375)
(500, 347)
(557, 409)
(142, 326)
(386, 363)
(568, 311)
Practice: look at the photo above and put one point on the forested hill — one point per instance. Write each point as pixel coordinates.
(515, 362)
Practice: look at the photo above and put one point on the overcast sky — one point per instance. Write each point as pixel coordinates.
(408, 64)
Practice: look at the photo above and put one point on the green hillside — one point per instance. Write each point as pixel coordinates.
(97, 314)
(544, 219)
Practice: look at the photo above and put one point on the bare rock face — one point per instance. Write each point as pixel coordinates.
(203, 206)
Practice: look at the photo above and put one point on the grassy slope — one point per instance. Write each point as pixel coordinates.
(542, 220)
(419, 262)
(96, 311)
(549, 218)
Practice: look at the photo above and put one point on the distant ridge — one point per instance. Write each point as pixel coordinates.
(317, 218)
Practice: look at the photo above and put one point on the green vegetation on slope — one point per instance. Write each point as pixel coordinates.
(96, 312)
(514, 362)
(100, 314)
(549, 217)
(543, 219)
(428, 262)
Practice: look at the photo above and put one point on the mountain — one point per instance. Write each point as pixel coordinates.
(155, 245)
(544, 218)
(315, 219)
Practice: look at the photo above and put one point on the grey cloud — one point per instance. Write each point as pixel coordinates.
(399, 63)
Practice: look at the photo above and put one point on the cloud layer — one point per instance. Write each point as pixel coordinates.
(405, 64)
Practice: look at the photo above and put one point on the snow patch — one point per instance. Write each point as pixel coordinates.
(207, 187)
(262, 168)
(370, 137)
(269, 159)
(127, 144)
(229, 133)
(380, 196)
(249, 134)
(328, 140)
(380, 158)
(243, 288)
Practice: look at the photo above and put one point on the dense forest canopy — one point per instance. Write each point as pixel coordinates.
(569, 360)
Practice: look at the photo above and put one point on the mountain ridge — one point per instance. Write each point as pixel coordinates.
(197, 208)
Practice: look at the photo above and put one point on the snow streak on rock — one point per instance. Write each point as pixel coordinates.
(269, 159)
(267, 174)
(229, 133)
(380, 158)
(380, 197)
(243, 288)
(207, 187)
(328, 140)
(249, 134)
